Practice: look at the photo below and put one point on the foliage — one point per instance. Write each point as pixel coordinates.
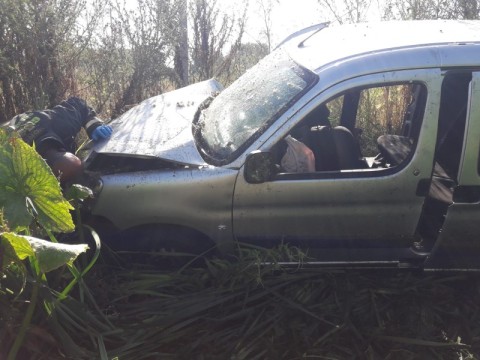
(39, 41)
(30, 193)
(28, 189)
(381, 111)
(253, 307)
(144, 35)
(49, 256)
(212, 33)
(431, 9)
(113, 53)
(116, 53)
(353, 11)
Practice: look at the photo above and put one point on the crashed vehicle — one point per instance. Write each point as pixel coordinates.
(390, 112)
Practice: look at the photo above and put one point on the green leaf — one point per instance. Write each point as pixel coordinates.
(49, 255)
(19, 244)
(78, 192)
(25, 181)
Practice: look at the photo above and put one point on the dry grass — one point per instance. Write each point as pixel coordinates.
(241, 310)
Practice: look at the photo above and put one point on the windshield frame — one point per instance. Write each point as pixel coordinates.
(212, 157)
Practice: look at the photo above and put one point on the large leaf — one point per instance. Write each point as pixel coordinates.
(49, 255)
(26, 179)
(20, 245)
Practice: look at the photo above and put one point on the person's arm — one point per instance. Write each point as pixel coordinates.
(78, 114)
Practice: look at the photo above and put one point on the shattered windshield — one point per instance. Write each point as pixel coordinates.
(239, 114)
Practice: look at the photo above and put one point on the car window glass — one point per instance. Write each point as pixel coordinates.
(381, 111)
(365, 129)
(248, 106)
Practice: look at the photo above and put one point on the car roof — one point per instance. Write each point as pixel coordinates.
(428, 42)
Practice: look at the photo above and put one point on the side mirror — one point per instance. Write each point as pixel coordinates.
(260, 167)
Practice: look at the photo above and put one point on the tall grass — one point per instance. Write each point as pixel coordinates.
(241, 309)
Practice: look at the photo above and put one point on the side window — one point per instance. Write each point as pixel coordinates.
(367, 128)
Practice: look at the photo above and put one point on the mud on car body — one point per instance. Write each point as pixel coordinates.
(391, 112)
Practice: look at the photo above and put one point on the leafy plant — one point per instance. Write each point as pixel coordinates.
(30, 196)
(28, 189)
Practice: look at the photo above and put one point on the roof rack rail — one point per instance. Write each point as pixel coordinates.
(315, 28)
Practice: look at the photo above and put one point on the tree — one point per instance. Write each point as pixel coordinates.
(181, 49)
(146, 32)
(213, 35)
(39, 42)
(348, 11)
(265, 8)
(353, 11)
(246, 56)
(431, 9)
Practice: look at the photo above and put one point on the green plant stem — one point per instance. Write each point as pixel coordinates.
(77, 274)
(73, 270)
(78, 217)
(12, 355)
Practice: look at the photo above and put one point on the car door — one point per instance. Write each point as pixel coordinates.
(364, 206)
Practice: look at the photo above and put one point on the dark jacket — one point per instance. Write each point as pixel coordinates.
(58, 126)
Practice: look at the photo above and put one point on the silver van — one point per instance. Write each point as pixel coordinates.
(386, 116)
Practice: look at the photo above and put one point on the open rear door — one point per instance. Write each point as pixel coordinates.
(458, 242)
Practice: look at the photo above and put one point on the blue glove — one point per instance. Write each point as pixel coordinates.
(102, 132)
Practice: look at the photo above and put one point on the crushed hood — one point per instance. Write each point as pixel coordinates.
(161, 126)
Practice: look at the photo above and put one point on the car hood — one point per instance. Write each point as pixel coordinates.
(161, 126)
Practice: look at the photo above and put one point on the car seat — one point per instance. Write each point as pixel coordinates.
(320, 139)
(334, 149)
(348, 151)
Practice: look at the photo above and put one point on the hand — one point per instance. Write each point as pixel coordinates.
(102, 132)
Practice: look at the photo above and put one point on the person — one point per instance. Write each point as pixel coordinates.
(53, 133)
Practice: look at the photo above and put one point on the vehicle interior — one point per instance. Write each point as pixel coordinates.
(363, 129)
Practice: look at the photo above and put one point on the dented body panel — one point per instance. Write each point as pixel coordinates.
(199, 198)
(161, 126)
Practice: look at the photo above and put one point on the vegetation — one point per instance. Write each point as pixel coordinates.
(113, 53)
(241, 309)
(116, 53)
(32, 203)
